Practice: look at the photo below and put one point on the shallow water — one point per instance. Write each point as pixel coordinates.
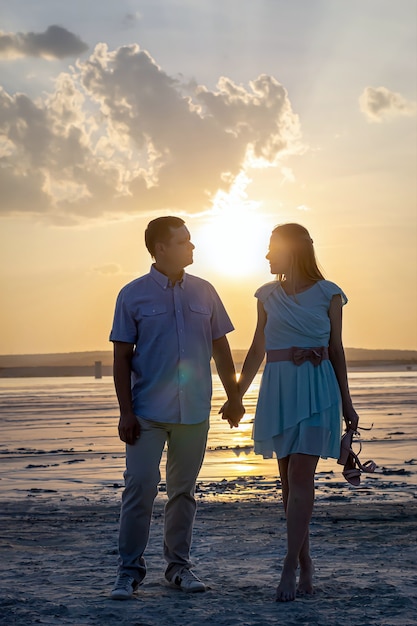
(59, 435)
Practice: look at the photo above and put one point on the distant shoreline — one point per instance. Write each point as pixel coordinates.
(83, 363)
(58, 371)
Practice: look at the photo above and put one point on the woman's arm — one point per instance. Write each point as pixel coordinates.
(255, 354)
(338, 360)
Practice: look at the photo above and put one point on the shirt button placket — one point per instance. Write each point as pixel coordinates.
(181, 346)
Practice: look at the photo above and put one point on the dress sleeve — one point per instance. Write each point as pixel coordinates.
(263, 292)
(331, 289)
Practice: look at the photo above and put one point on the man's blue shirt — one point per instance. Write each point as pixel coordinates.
(172, 329)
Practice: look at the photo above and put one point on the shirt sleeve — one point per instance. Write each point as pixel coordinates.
(124, 324)
(220, 321)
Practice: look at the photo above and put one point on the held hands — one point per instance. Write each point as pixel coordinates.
(129, 428)
(233, 411)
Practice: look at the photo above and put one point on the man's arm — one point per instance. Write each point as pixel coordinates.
(128, 424)
(226, 370)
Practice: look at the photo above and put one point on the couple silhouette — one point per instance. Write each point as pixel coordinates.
(167, 326)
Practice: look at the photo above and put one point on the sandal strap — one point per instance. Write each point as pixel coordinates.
(369, 466)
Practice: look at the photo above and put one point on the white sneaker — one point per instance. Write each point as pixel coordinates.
(124, 587)
(186, 580)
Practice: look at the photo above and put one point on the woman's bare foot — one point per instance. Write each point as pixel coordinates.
(305, 582)
(286, 589)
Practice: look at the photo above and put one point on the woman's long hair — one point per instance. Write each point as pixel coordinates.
(303, 263)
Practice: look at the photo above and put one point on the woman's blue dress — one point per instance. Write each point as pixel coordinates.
(299, 407)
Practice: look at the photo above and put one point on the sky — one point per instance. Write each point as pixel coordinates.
(235, 115)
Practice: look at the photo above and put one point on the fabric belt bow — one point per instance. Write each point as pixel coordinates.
(314, 355)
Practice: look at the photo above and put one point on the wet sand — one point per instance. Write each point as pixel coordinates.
(58, 562)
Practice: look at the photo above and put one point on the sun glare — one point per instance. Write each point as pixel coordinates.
(233, 239)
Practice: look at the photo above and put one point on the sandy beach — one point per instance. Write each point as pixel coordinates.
(58, 559)
(61, 477)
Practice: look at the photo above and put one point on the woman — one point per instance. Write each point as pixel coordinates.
(304, 389)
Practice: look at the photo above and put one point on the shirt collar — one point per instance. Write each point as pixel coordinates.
(162, 280)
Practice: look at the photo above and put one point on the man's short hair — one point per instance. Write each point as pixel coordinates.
(159, 229)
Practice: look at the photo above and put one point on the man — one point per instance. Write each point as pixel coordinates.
(166, 327)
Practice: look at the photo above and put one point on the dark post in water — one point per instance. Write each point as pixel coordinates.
(97, 369)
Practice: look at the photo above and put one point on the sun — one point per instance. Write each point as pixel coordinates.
(233, 238)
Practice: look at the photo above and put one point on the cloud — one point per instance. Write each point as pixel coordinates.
(288, 175)
(108, 269)
(120, 136)
(130, 19)
(379, 103)
(55, 43)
